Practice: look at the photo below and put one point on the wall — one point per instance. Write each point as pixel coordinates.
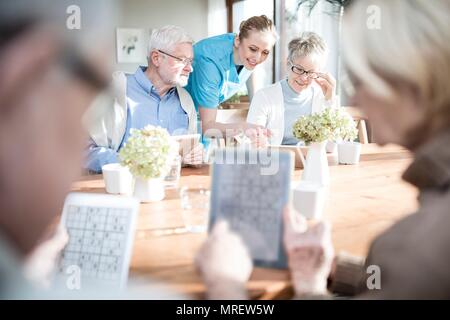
(148, 14)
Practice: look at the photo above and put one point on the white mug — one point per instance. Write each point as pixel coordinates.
(309, 199)
(118, 179)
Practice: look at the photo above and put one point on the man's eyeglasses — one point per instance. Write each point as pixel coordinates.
(302, 72)
(185, 61)
(68, 56)
(78, 66)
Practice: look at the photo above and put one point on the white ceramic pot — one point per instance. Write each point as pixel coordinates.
(349, 152)
(316, 166)
(149, 190)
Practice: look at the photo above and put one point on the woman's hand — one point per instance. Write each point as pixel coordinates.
(41, 263)
(310, 253)
(259, 137)
(328, 85)
(224, 263)
(256, 135)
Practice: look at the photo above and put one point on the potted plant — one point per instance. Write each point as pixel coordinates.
(238, 101)
(332, 8)
(315, 130)
(148, 154)
(348, 150)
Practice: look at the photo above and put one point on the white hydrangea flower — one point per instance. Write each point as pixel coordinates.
(330, 124)
(149, 152)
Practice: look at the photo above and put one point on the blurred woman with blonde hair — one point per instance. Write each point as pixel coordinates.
(400, 73)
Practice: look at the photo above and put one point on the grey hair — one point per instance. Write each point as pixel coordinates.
(308, 43)
(167, 37)
(410, 45)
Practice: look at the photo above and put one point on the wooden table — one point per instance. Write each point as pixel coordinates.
(364, 200)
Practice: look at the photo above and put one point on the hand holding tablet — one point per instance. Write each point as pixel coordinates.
(250, 192)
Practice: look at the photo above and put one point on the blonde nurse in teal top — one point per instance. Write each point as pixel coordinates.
(222, 65)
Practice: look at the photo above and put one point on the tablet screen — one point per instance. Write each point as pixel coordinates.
(250, 188)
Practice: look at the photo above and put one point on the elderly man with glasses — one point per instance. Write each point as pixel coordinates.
(153, 95)
(306, 90)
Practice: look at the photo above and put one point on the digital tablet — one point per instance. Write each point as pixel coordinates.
(298, 152)
(101, 232)
(250, 189)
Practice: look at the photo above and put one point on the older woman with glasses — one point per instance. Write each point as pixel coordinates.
(307, 89)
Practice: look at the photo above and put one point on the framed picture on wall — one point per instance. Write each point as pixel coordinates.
(130, 45)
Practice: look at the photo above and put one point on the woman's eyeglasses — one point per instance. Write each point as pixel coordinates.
(302, 72)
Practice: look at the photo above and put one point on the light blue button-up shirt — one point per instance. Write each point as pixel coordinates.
(144, 107)
(215, 77)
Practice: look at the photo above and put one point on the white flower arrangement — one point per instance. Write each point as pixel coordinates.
(149, 152)
(330, 124)
(345, 126)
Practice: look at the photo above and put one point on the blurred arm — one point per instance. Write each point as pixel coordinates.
(99, 156)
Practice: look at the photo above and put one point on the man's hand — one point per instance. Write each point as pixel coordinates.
(195, 156)
(224, 263)
(328, 85)
(310, 253)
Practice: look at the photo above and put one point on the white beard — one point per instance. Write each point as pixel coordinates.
(178, 81)
(182, 81)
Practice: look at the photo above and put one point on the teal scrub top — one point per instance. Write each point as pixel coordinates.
(215, 77)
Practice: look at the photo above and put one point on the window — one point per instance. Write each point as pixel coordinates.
(297, 16)
(291, 17)
(244, 9)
